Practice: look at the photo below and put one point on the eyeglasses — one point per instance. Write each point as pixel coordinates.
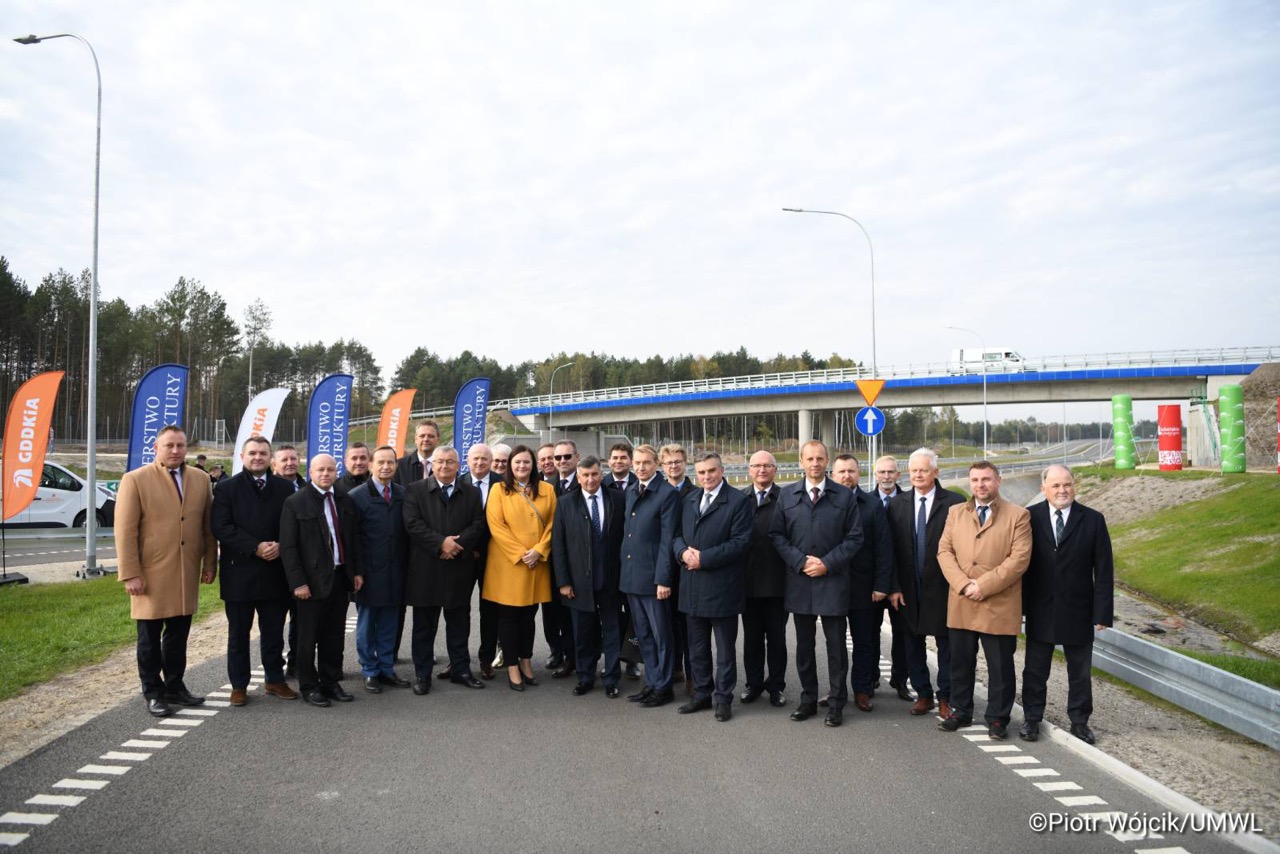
(762, 466)
(674, 463)
(563, 457)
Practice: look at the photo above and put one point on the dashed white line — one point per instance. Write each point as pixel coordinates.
(70, 783)
(178, 722)
(198, 713)
(999, 748)
(1036, 772)
(1017, 760)
(1081, 801)
(1176, 850)
(28, 818)
(1059, 786)
(114, 770)
(11, 839)
(56, 800)
(140, 742)
(125, 756)
(220, 704)
(165, 733)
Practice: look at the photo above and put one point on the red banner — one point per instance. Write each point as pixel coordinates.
(1169, 437)
(26, 438)
(395, 419)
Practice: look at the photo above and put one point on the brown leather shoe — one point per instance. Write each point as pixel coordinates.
(239, 697)
(944, 709)
(279, 689)
(863, 702)
(486, 671)
(922, 706)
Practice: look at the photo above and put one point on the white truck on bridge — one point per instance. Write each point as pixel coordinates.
(971, 360)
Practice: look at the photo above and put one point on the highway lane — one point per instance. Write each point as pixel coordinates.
(544, 770)
(32, 548)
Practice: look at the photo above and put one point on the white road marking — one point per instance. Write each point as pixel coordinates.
(1081, 801)
(115, 770)
(138, 742)
(69, 783)
(218, 694)
(1058, 786)
(11, 839)
(122, 756)
(28, 818)
(56, 800)
(220, 704)
(179, 722)
(1176, 850)
(165, 733)
(1000, 748)
(1036, 772)
(1017, 760)
(198, 713)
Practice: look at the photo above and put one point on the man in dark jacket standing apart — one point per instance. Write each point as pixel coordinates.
(1067, 593)
(817, 532)
(446, 524)
(764, 619)
(711, 546)
(320, 547)
(246, 521)
(384, 547)
(586, 540)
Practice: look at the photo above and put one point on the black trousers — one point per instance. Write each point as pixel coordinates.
(162, 655)
(516, 626)
(595, 632)
(293, 630)
(833, 629)
(1035, 676)
(764, 641)
(864, 669)
(322, 627)
(557, 626)
(457, 631)
(271, 614)
(898, 644)
(488, 649)
(720, 688)
(679, 633)
(998, 652)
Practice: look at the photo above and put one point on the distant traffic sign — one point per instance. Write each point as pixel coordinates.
(870, 390)
(870, 421)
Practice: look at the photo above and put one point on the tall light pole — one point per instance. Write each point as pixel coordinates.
(984, 383)
(91, 434)
(875, 373)
(551, 393)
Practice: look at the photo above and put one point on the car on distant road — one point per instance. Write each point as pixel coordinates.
(62, 501)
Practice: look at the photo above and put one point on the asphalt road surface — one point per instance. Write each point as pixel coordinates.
(28, 548)
(497, 770)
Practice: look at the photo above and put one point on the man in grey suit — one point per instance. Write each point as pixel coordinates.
(817, 532)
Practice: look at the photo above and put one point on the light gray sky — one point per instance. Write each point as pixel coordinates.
(1067, 177)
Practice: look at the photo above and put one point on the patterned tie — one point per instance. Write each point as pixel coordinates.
(260, 483)
(177, 482)
(448, 492)
(922, 520)
(1058, 525)
(332, 510)
(619, 485)
(884, 499)
(706, 503)
(595, 515)
(564, 485)
(640, 490)
(817, 493)
(982, 515)
(386, 493)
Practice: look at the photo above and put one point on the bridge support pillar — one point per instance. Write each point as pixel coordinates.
(805, 432)
(539, 423)
(827, 420)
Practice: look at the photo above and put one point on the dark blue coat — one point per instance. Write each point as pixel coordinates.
(573, 545)
(766, 573)
(428, 518)
(242, 518)
(872, 569)
(1069, 586)
(722, 536)
(384, 544)
(647, 533)
(831, 531)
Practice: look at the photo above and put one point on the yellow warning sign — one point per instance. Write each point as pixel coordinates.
(870, 390)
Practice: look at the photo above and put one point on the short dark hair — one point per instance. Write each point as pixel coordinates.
(427, 423)
(257, 440)
(984, 464)
(590, 461)
(703, 456)
(170, 428)
(625, 447)
(848, 457)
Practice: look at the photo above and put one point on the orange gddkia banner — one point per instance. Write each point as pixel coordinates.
(26, 438)
(395, 419)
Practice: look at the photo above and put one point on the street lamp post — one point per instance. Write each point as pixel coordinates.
(984, 383)
(551, 394)
(91, 569)
(875, 374)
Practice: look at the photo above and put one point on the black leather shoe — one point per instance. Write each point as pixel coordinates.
(372, 685)
(335, 692)
(159, 708)
(723, 712)
(954, 722)
(777, 699)
(422, 687)
(1082, 732)
(611, 691)
(183, 698)
(564, 670)
(556, 660)
(751, 694)
(835, 717)
(824, 702)
(997, 730)
(466, 679)
(1030, 731)
(642, 695)
(392, 680)
(695, 706)
(446, 673)
(315, 698)
(804, 711)
(658, 698)
(904, 693)
(290, 671)
(631, 670)
(582, 688)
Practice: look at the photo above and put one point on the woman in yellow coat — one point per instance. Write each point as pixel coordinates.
(516, 574)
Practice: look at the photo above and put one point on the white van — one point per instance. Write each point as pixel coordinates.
(971, 360)
(61, 501)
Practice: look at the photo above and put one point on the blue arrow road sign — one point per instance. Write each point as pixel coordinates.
(870, 421)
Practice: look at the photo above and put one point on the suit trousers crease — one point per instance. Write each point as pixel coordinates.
(1035, 677)
(998, 651)
(321, 636)
(162, 655)
(271, 614)
(720, 686)
(457, 632)
(833, 630)
(764, 642)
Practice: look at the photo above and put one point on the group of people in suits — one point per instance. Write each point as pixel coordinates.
(618, 553)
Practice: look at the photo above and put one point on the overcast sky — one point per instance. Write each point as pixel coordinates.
(519, 178)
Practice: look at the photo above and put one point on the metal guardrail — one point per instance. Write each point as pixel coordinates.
(1229, 700)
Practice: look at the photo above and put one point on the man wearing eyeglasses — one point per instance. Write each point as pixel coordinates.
(673, 469)
(887, 488)
(566, 459)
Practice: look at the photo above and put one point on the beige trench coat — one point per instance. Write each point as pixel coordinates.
(995, 556)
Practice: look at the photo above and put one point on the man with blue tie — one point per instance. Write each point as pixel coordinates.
(711, 544)
(586, 540)
(817, 531)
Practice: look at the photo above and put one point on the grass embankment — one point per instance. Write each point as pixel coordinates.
(47, 629)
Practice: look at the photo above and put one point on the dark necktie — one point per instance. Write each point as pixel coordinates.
(595, 514)
(706, 502)
(386, 493)
(259, 483)
(564, 485)
(982, 515)
(817, 493)
(760, 496)
(332, 510)
(619, 485)
(884, 499)
(1058, 525)
(177, 482)
(640, 490)
(448, 491)
(922, 520)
